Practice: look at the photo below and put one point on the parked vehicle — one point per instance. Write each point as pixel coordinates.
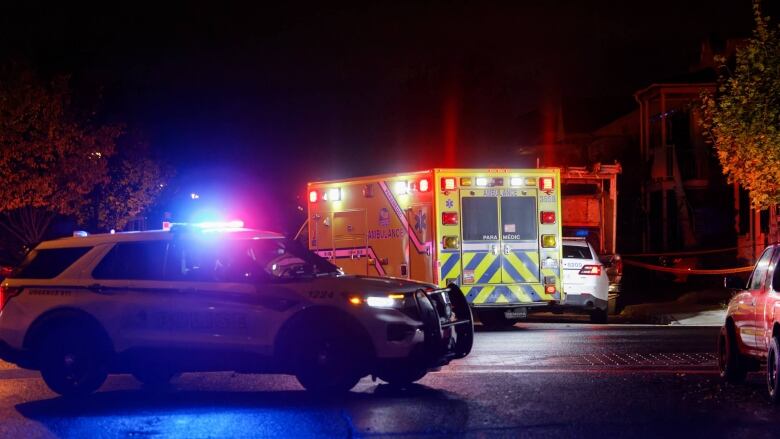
(585, 281)
(751, 332)
(159, 303)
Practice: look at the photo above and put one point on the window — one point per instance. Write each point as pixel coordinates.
(133, 260)
(576, 252)
(518, 218)
(480, 219)
(759, 273)
(49, 263)
(243, 261)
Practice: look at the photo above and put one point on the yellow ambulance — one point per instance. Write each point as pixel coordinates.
(494, 232)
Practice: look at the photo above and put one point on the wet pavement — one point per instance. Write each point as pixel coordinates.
(535, 380)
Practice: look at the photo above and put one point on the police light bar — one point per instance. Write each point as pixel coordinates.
(235, 224)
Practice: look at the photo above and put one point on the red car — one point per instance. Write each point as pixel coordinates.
(751, 334)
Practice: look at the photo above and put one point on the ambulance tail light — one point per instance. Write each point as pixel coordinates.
(449, 218)
(549, 289)
(546, 184)
(448, 184)
(547, 217)
(8, 293)
(548, 241)
(591, 270)
(313, 196)
(450, 242)
(424, 185)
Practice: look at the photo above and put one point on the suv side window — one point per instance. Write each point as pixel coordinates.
(141, 260)
(196, 261)
(49, 263)
(576, 252)
(759, 273)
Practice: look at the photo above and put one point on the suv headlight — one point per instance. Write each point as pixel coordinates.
(388, 301)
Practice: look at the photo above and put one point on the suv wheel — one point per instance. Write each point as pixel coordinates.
(732, 364)
(772, 375)
(71, 363)
(598, 315)
(328, 362)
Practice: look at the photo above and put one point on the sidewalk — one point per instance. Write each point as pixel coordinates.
(701, 308)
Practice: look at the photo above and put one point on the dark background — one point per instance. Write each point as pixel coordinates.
(248, 103)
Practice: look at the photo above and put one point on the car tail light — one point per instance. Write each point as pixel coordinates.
(448, 184)
(6, 272)
(313, 197)
(547, 217)
(449, 218)
(546, 184)
(592, 270)
(424, 185)
(8, 293)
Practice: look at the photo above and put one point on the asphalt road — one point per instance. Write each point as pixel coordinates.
(536, 380)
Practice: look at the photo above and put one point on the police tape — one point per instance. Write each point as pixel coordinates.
(685, 253)
(687, 270)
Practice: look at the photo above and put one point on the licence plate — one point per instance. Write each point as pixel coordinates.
(517, 313)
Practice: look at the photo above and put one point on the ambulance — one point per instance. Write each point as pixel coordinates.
(496, 233)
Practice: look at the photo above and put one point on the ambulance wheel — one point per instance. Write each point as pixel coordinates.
(71, 363)
(731, 364)
(402, 377)
(495, 319)
(598, 316)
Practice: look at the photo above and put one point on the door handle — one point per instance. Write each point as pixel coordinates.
(507, 250)
(494, 249)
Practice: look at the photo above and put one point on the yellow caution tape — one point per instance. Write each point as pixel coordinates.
(686, 270)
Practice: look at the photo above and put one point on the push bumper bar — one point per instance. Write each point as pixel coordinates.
(448, 325)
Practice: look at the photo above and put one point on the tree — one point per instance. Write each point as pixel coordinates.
(135, 180)
(50, 159)
(743, 117)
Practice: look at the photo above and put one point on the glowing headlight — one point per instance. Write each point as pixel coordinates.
(389, 301)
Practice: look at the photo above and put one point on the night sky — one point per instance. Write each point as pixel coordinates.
(250, 102)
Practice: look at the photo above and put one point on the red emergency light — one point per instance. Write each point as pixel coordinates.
(448, 184)
(547, 217)
(449, 218)
(546, 184)
(313, 196)
(424, 185)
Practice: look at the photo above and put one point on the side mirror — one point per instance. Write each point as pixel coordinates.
(733, 283)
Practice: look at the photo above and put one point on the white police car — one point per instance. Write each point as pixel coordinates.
(585, 281)
(159, 303)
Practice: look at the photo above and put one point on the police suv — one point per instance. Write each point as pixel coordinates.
(159, 303)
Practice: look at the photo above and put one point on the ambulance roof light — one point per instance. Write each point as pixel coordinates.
(482, 181)
(516, 181)
(546, 184)
(334, 194)
(313, 196)
(424, 185)
(401, 188)
(448, 184)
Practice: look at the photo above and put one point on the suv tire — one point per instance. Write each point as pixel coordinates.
(598, 316)
(772, 374)
(731, 364)
(72, 362)
(327, 358)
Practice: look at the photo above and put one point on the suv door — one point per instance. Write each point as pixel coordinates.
(745, 315)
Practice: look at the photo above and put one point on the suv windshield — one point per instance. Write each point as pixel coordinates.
(244, 261)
